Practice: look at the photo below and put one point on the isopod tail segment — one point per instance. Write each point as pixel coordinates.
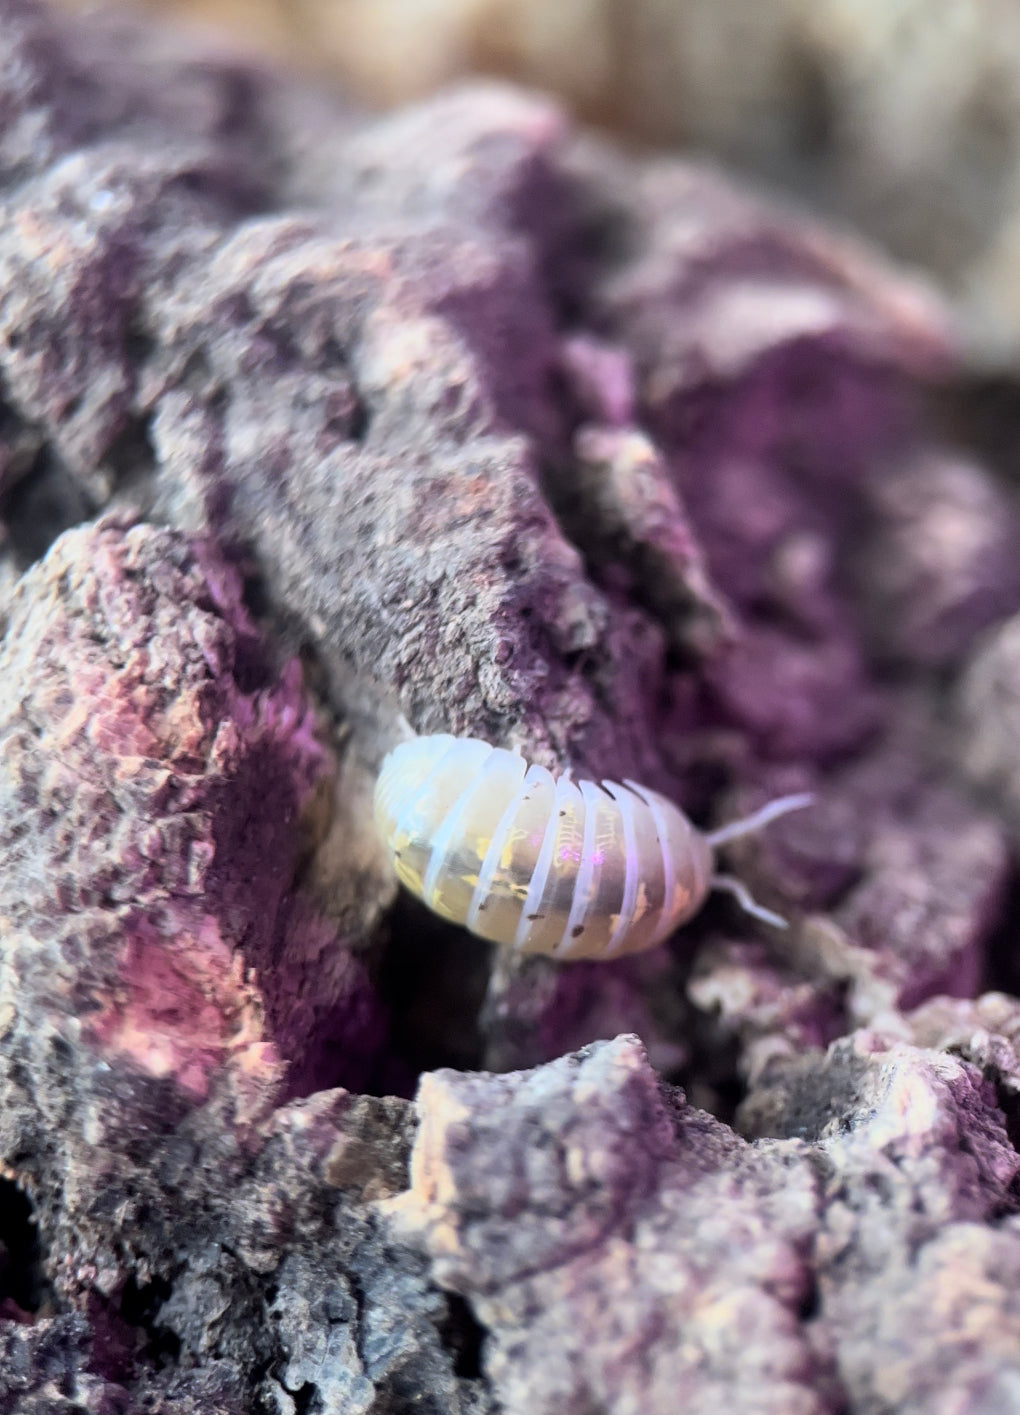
(540, 864)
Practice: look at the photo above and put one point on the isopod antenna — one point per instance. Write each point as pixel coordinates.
(747, 826)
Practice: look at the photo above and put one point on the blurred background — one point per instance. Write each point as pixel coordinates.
(900, 118)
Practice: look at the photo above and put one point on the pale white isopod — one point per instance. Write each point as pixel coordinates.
(547, 865)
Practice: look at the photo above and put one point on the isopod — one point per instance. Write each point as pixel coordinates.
(547, 865)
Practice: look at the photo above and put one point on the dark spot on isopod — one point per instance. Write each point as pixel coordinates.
(577, 931)
(562, 814)
(483, 905)
(533, 917)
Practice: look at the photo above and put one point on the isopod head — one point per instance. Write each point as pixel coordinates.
(569, 869)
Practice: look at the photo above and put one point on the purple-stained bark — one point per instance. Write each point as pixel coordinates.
(310, 422)
(157, 765)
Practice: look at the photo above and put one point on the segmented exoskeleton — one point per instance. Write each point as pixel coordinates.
(547, 865)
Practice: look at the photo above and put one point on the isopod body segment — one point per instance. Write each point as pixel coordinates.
(536, 863)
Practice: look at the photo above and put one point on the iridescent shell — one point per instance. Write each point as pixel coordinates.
(539, 864)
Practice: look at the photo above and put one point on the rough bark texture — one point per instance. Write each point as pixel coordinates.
(310, 424)
(902, 119)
